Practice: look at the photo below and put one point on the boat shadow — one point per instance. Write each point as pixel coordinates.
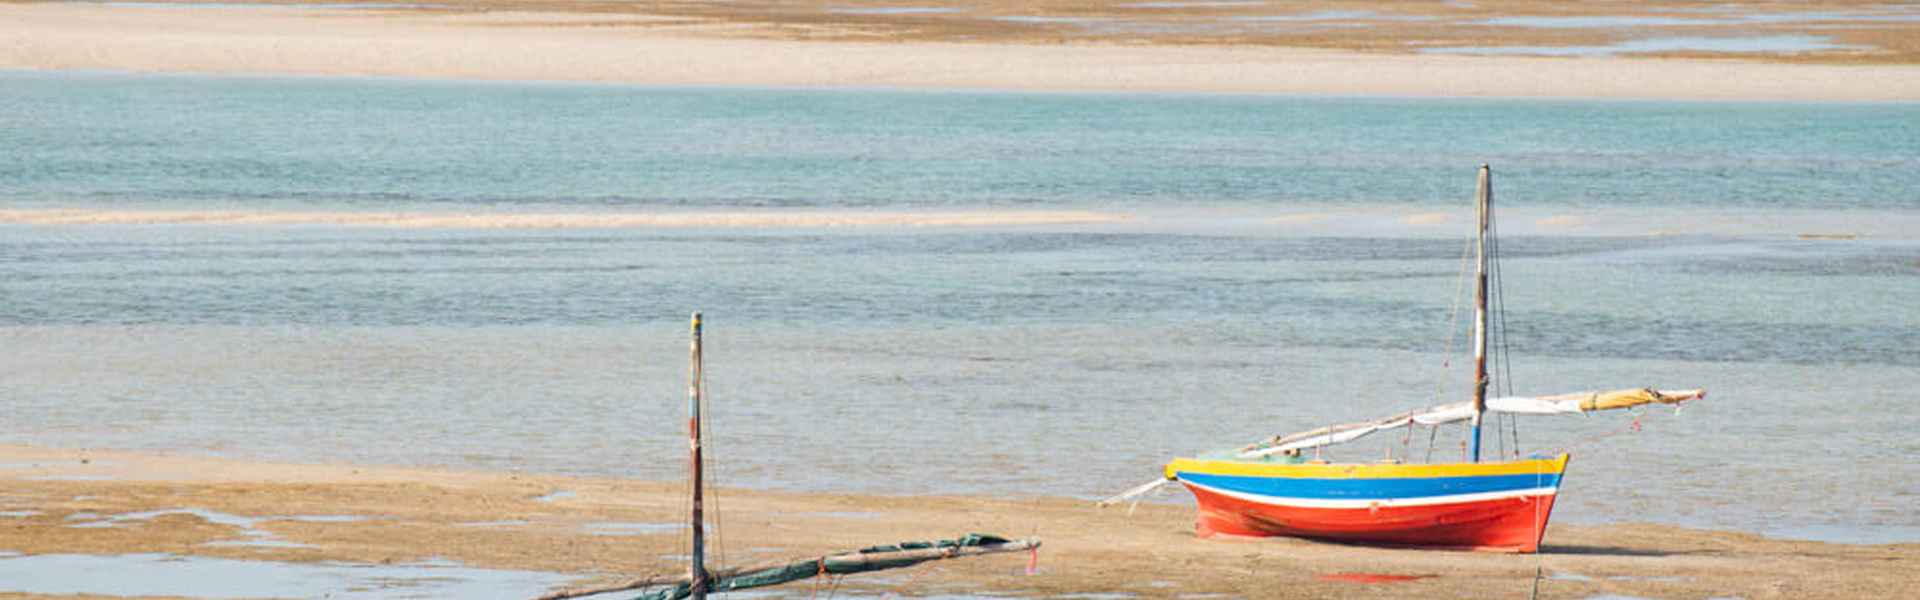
(1585, 550)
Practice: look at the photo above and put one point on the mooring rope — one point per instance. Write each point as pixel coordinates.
(1633, 425)
(931, 565)
(818, 576)
(1539, 560)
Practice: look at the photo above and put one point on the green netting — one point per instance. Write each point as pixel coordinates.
(809, 568)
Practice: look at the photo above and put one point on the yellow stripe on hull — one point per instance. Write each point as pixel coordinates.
(1529, 466)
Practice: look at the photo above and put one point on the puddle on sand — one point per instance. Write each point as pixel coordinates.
(1332, 15)
(326, 518)
(1849, 534)
(1049, 20)
(1195, 4)
(1627, 597)
(221, 6)
(18, 513)
(560, 495)
(1372, 577)
(1773, 44)
(220, 578)
(1596, 22)
(896, 10)
(493, 524)
(255, 537)
(844, 515)
(616, 528)
(217, 518)
(57, 463)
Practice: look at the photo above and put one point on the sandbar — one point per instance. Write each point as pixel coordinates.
(528, 41)
(359, 514)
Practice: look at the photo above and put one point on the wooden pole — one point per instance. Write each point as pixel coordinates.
(696, 379)
(849, 559)
(1485, 208)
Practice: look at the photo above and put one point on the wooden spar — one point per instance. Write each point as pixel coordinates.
(700, 581)
(846, 558)
(696, 379)
(1485, 204)
(1131, 493)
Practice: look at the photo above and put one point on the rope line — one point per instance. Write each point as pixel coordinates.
(1503, 358)
(923, 573)
(1633, 425)
(1539, 560)
(712, 479)
(1452, 336)
(818, 577)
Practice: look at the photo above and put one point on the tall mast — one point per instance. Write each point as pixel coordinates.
(1485, 204)
(696, 379)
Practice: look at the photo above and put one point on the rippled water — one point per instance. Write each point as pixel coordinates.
(201, 577)
(1059, 360)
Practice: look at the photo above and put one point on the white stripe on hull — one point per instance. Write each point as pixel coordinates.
(1376, 502)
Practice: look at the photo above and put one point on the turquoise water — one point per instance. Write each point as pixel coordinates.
(1059, 360)
(142, 141)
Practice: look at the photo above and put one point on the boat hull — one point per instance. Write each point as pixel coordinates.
(1498, 507)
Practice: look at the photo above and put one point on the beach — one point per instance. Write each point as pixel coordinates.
(607, 530)
(639, 43)
(386, 300)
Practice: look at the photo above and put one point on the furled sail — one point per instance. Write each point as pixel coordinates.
(1461, 411)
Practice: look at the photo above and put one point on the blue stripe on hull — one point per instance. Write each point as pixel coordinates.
(1359, 489)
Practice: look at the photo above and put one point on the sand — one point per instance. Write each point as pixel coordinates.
(417, 220)
(681, 43)
(542, 523)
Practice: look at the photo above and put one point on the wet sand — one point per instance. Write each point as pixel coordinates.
(1377, 48)
(542, 523)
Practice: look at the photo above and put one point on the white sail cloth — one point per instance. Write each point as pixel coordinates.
(1461, 411)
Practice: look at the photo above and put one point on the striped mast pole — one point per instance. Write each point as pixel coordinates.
(696, 379)
(1484, 202)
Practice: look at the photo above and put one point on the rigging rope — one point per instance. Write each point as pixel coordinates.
(818, 577)
(1452, 336)
(1539, 560)
(1633, 425)
(1503, 359)
(923, 573)
(712, 477)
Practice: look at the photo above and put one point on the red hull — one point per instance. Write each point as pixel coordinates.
(1513, 524)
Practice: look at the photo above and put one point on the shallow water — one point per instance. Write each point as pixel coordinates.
(1756, 44)
(897, 10)
(1060, 360)
(202, 577)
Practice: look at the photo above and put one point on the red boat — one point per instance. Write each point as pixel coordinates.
(1266, 489)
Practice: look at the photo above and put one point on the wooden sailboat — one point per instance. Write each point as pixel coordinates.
(1266, 489)
(699, 581)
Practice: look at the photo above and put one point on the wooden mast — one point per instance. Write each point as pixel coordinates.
(696, 379)
(1485, 204)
